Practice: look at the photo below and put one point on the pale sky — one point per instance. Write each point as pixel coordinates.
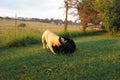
(33, 8)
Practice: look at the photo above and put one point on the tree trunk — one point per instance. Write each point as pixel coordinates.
(66, 15)
(84, 25)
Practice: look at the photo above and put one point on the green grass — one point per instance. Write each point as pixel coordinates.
(97, 58)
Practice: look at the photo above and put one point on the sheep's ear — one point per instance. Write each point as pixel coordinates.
(63, 40)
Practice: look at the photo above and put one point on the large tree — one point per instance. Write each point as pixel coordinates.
(85, 11)
(110, 13)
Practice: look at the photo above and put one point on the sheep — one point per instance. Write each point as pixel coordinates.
(50, 39)
(67, 48)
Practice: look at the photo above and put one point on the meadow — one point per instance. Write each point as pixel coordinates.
(22, 57)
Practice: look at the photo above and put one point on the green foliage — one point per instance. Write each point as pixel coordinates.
(110, 14)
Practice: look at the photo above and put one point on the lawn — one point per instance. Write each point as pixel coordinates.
(97, 57)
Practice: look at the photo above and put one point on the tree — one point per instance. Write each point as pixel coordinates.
(86, 12)
(110, 14)
(22, 25)
(69, 4)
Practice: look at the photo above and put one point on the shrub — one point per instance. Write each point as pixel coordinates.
(22, 25)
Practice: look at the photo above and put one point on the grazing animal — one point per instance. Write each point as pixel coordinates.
(50, 39)
(67, 48)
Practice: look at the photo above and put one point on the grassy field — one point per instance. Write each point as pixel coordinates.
(9, 33)
(97, 56)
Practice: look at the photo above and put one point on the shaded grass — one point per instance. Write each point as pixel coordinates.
(24, 41)
(75, 34)
(22, 37)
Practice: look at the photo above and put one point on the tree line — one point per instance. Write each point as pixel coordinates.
(46, 20)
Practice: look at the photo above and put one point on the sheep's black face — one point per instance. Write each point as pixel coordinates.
(67, 47)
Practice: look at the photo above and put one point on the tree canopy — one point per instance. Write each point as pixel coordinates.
(110, 13)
